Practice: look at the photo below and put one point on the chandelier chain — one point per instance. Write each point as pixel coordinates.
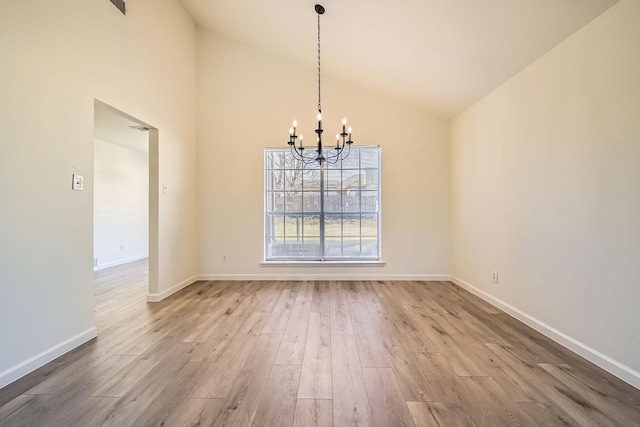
(319, 83)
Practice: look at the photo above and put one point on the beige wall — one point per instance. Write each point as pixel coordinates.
(545, 187)
(120, 204)
(247, 101)
(55, 58)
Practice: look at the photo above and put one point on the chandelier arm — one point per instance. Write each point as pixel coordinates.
(296, 154)
(310, 161)
(331, 160)
(338, 155)
(299, 155)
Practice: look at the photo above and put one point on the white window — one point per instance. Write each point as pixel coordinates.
(322, 214)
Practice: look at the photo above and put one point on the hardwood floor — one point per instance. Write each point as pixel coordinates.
(312, 354)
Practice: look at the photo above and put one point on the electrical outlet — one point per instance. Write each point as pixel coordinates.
(224, 258)
(494, 276)
(95, 262)
(121, 248)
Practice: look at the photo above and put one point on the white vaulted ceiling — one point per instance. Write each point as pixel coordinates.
(443, 55)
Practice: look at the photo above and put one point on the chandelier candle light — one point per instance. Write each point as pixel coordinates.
(343, 139)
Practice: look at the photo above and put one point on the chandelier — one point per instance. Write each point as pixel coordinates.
(343, 139)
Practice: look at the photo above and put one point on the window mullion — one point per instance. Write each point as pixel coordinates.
(360, 200)
(322, 215)
(341, 210)
(302, 204)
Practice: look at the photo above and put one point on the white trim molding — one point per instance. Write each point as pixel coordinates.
(326, 276)
(172, 290)
(119, 262)
(21, 369)
(354, 263)
(616, 368)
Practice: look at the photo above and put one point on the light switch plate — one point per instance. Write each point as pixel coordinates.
(78, 182)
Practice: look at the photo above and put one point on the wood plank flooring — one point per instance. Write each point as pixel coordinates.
(312, 354)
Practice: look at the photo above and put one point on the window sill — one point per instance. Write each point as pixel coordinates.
(354, 263)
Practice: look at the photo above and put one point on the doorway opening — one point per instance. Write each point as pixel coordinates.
(125, 195)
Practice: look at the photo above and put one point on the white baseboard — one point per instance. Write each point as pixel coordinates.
(618, 369)
(21, 369)
(294, 277)
(172, 290)
(325, 276)
(119, 262)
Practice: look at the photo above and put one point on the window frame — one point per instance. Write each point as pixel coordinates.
(320, 187)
